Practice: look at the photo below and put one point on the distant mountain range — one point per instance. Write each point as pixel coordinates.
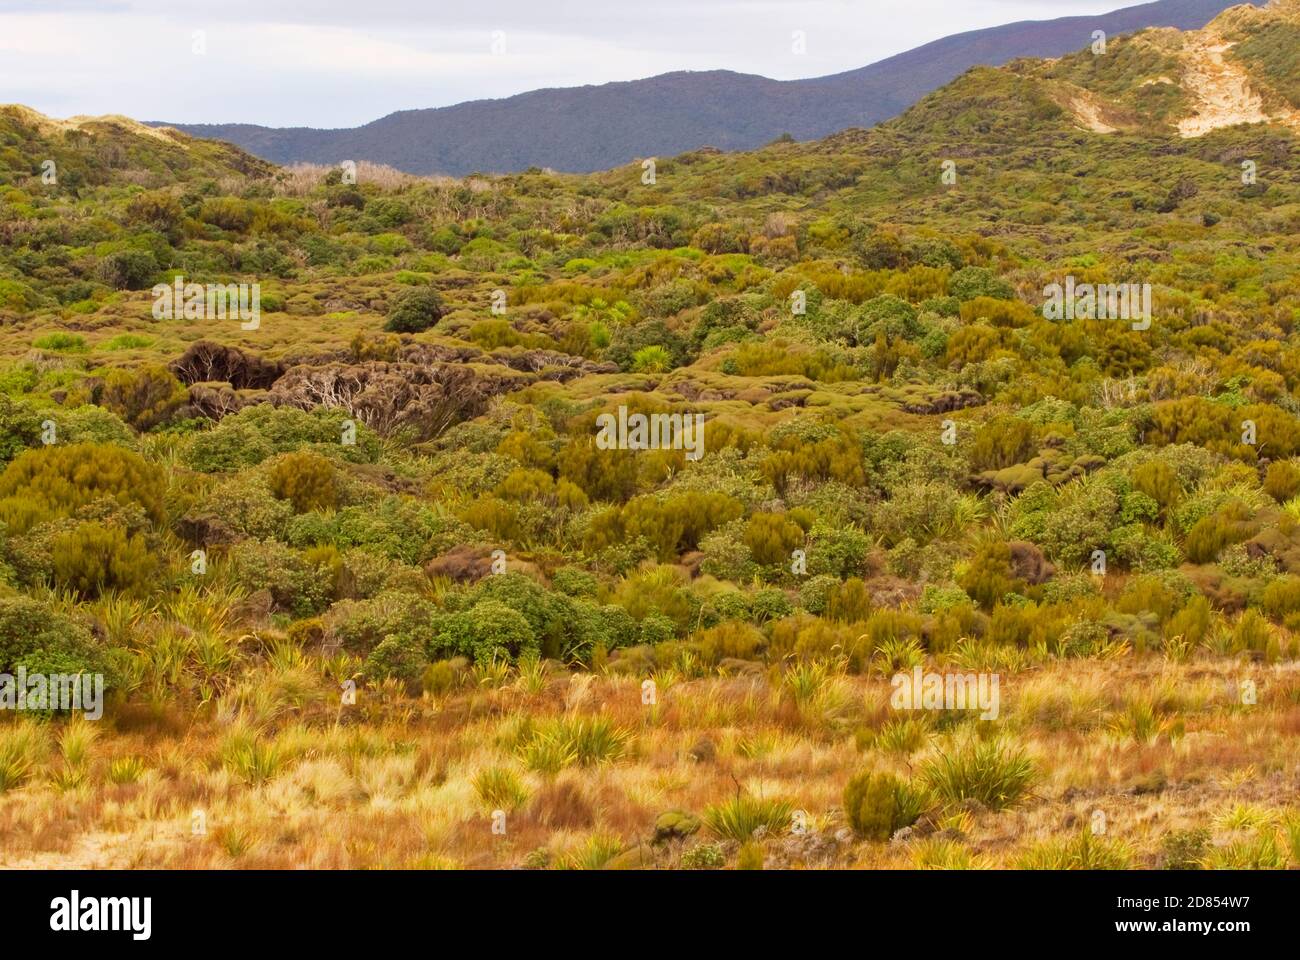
(589, 128)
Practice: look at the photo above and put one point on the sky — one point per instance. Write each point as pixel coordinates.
(340, 63)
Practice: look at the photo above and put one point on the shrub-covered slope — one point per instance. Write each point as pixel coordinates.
(392, 480)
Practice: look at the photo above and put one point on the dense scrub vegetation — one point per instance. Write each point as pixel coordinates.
(393, 480)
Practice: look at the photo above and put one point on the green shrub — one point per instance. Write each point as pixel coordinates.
(243, 504)
(261, 431)
(128, 270)
(656, 628)
(770, 604)
(144, 397)
(814, 594)
(94, 558)
(398, 656)
(308, 481)
(771, 537)
(360, 625)
(703, 856)
(415, 311)
(31, 632)
(1184, 849)
(20, 428)
(488, 632)
(877, 805)
(55, 481)
(296, 586)
(544, 611)
(575, 582)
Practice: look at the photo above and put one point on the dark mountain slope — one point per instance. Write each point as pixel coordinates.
(596, 127)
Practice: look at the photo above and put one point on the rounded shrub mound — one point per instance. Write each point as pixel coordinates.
(878, 804)
(306, 480)
(52, 482)
(95, 558)
(143, 397)
(416, 311)
(33, 635)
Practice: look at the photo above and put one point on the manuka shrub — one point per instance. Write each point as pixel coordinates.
(1282, 481)
(308, 481)
(1003, 442)
(144, 397)
(771, 537)
(989, 575)
(877, 805)
(1231, 524)
(95, 558)
(55, 481)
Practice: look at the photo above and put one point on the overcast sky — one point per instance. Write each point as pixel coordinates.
(339, 63)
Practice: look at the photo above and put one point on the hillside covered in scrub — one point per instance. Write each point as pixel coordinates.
(362, 561)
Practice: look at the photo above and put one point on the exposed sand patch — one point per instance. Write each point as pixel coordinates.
(1087, 109)
(1221, 90)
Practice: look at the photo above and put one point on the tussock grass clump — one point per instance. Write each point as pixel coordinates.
(1264, 850)
(22, 749)
(594, 853)
(75, 742)
(585, 740)
(939, 854)
(904, 735)
(123, 770)
(250, 758)
(738, 818)
(1142, 722)
(500, 788)
(1084, 851)
(995, 773)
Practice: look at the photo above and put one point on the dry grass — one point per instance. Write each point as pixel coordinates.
(577, 771)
